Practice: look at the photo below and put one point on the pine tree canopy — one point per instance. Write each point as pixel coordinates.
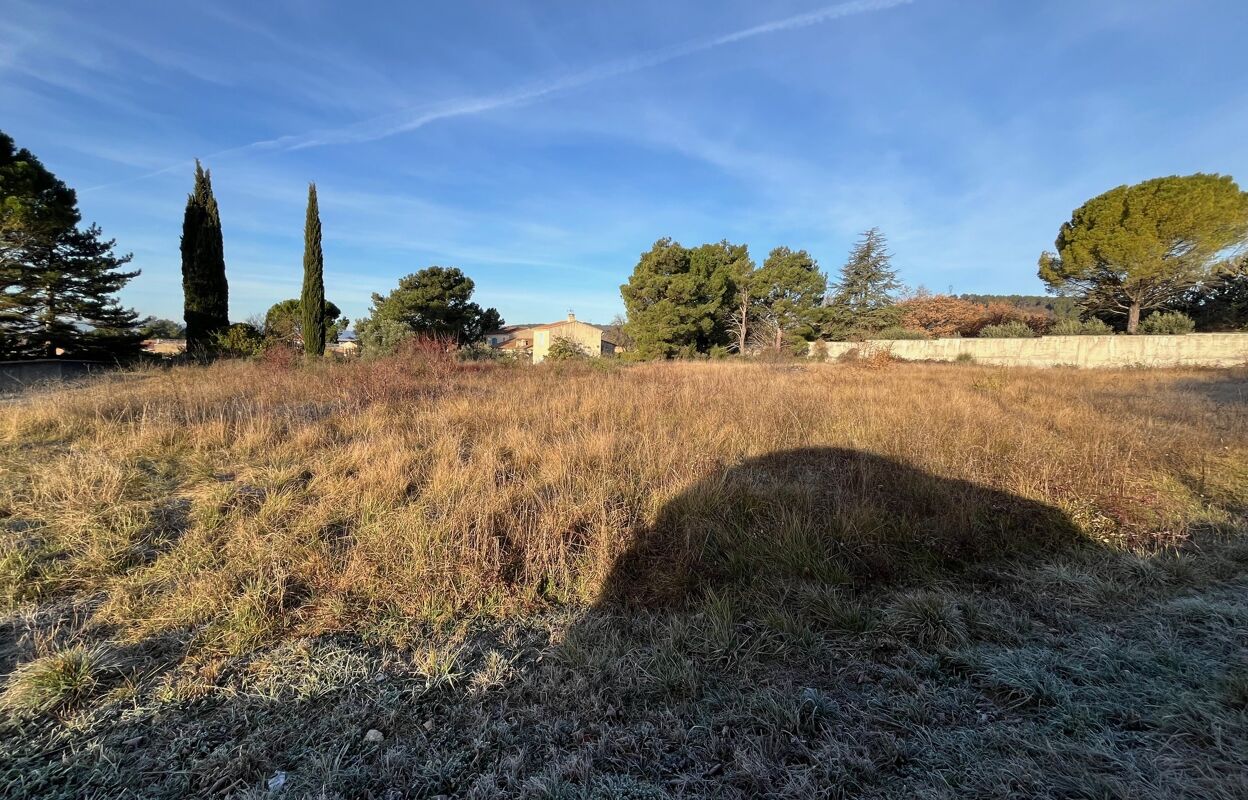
(284, 321)
(679, 299)
(1221, 304)
(312, 300)
(206, 293)
(789, 291)
(437, 301)
(57, 279)
(1139, 247)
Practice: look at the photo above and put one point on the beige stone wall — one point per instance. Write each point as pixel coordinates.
(1192, 350)
(587, 336)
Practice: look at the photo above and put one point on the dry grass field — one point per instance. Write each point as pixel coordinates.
(404, 578)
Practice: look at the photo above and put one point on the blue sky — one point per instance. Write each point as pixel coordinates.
(541, 146)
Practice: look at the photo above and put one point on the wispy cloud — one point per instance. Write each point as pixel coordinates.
(393, 124)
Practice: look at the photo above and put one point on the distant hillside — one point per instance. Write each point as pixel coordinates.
(1060, 307)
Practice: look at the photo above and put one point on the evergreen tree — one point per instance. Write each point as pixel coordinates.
(661, 300)
(205, 290)
(743, 312)
(437, 301)
(284, 321)
(153, 328)
(789, 289)
(1221, 304)
(312, 301)
(862, 299)
(1142, 247)
(679, 300)
(716, 267)
(57, 280)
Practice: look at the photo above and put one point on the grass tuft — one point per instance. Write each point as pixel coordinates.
(926, 618)
(58, 681)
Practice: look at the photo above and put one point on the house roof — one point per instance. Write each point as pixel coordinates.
(508, 329)
(549, 325)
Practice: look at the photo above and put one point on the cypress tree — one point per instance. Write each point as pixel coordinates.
(312, 301)
(205, 290)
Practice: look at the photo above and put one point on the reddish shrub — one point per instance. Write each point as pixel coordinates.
(1001, 313)
(942, 315)
(279, 357)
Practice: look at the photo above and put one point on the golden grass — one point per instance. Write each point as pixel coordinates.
(245, 500)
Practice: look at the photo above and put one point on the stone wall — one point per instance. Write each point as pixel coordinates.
(1191, 350)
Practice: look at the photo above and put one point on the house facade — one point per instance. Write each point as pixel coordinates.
(534, 342)
(516, 340)
(588, 337)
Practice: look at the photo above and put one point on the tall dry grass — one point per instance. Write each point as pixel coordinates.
(245, 500)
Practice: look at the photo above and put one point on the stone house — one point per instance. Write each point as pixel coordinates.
(516, 340)
(535, 341)
(589, 337)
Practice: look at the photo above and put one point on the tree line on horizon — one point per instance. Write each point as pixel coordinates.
(59, 281)
(1164, 255)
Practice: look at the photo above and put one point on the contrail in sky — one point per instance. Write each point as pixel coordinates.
(395, 123)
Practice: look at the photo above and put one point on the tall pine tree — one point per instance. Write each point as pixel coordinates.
(57, 279)
(662, 299)
(312, 301)
(789, 289)
(206, 294)
(863, 297)
(679, 300)
(436, 301)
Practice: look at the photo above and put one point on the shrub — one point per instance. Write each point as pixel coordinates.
(480, 351)
(564, 349)
(1074, 327)
(819, 350)
(381, 337)
(433, 355)
(277, 355)
(942, 315)
(898, 332)
(1167, 323)
(1004, 313)
(240, 340)
(1008, 330)
(1097, 327)
(875, 357)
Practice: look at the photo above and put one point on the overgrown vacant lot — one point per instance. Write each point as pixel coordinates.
(732, 580)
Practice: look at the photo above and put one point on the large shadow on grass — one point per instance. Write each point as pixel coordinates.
(710, 697)
(831, 515)
(1227, 387)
